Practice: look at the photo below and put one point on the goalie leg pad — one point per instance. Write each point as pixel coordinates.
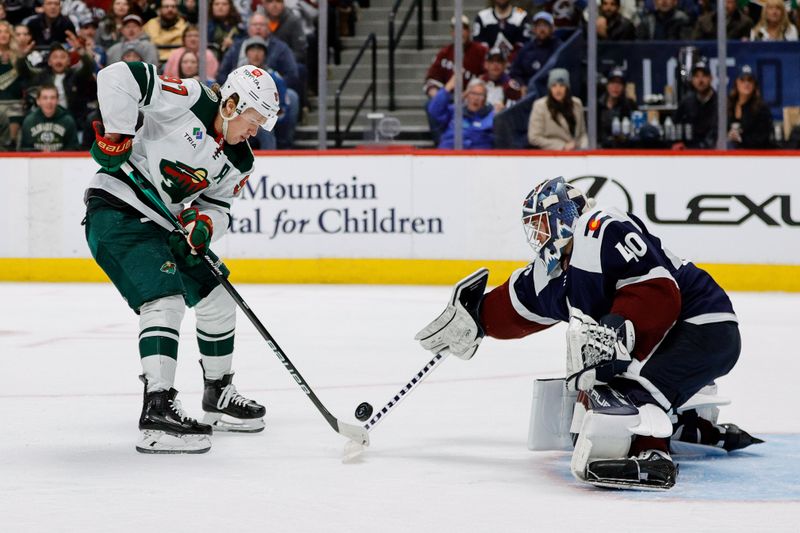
(551, 415)
(608, 425)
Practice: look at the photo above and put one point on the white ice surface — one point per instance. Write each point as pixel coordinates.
(451, 457)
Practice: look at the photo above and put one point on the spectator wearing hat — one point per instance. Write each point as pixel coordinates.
(737, 25)
(166, 30)
(749, 119)
(556, 121)
(774, 24)
(441, 70)
(76, 85)
(87, 37)
(502, 26)
(697, 111)
(502, 89)
(49, 26)
(80, 11)
(48, 127)
(191, 43)
(665, 23)
(133, 40)
(611, 25)
(478, 115)
(530, 59)
(613, 104)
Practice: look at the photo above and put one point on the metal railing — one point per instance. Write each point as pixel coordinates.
(395, 37)
(372, 42)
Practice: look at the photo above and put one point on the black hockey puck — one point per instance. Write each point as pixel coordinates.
(363, 411)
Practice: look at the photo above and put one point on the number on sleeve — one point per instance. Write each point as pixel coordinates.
(634, 247)
(180, 89)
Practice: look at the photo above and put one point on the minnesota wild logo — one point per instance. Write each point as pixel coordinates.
(182, 181)
(168, 267)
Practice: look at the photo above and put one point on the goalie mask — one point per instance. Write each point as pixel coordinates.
(549, 215)
(256, 89)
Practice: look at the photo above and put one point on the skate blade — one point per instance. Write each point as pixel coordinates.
(165, 443)
(622, 484)
(223, 422)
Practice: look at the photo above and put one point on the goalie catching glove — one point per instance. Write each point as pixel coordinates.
(596, 352)
(457, 330)
(107, 153)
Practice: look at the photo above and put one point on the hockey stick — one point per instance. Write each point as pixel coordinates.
(418, 378)
(351, 431)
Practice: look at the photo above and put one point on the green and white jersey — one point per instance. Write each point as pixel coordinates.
(175, 147)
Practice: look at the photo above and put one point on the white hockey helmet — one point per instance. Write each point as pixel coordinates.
(256, 90)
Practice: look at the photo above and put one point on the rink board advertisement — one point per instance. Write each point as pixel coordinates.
(405, 209)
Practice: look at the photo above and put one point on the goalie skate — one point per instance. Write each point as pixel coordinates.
(651, 470)
(227, 410)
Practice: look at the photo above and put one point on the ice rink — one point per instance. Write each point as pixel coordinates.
(450, 458)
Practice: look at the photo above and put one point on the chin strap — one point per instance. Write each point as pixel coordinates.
(225, 121)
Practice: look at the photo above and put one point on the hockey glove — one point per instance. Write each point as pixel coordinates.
(109, 154)
(199, 230)
(457, 330)
(597, 352)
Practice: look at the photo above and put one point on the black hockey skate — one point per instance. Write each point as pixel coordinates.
(165, 428)
(651, 470)
(227, 410)
(694, 429)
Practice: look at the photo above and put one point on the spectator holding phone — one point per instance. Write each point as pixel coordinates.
(749, 117)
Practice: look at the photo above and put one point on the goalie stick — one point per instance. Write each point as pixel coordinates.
(351, 431)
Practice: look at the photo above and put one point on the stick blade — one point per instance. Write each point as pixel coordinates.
(355, 433)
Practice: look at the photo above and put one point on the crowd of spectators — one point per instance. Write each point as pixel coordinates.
(508, 46)
(51, 51)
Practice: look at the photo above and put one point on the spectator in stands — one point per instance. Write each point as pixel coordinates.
(286, 26)
(441, 70)
(147, 9)
(279, 55)
(110, 29)
(536, 52)
(697, 112)
(188, 10)
(478, 115)
(567, 14)
(556, 121)
(166, 30)
(749, 118)
(49, 26)
(26, 45)
(87, 34)
(12, 73)
(133, 39)
(666, 23)
(502, 89)
(18, 10)
(611, 25)
(76, 85)
(79, 11)
(224, 25)
(6, 140)
(613, 104)
(191, 42)
(774, 24)
(48, 127)
(502, 26)
(737, 26)
(256, 52)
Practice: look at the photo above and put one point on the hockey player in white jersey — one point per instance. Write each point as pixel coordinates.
(189, 143)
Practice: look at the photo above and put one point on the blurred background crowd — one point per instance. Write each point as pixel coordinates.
(523, 65)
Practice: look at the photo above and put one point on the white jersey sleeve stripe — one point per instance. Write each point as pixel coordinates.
(519, 307)
(658, 272)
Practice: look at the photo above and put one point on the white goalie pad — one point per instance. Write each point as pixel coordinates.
(551, 415)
